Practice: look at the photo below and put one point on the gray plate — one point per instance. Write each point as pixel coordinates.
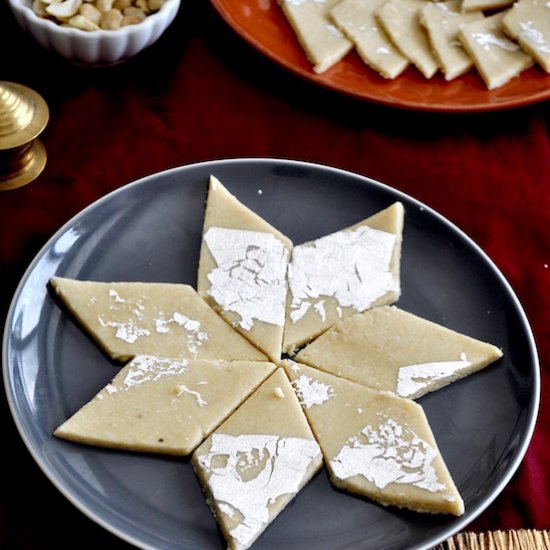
(150, 231)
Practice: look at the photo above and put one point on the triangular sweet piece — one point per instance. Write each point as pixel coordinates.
(164, 405)
(375, 443)
(400, 19)
(528, 22)
(442, 21)
(169, 320)
(254, 464)
(356, 19)
(242, 269)
(387, 348)
(497, 58)
(323, 44)
(343, 273)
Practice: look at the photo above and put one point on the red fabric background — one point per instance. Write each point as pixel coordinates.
(201, 93)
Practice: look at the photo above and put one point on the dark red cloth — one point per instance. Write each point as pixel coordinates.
(201, 93)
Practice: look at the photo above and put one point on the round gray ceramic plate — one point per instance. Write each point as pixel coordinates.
(150, 230)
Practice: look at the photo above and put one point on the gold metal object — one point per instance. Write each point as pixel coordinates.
(23, 116)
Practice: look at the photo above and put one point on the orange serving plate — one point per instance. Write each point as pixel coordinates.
(263, 25)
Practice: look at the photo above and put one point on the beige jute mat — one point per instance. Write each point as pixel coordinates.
(521, 539)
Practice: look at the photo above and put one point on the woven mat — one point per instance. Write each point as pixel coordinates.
(523, 539)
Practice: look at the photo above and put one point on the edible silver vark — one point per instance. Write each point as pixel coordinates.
(250, 277)
(248, 472)
(388, 453)
(352, 267)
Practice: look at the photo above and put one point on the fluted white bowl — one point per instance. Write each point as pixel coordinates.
(101, 47)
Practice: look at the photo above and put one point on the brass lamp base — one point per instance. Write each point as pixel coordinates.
(31, 166)
(23, 116)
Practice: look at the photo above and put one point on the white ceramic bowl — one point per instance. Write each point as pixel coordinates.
(100, 47)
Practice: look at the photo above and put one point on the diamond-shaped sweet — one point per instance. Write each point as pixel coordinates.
(242, 269)
(343, 273)
(169, 320)
(253, 465)
(375, 443)
(164, 405)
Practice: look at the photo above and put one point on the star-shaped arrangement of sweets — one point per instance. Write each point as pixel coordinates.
(284, 358)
